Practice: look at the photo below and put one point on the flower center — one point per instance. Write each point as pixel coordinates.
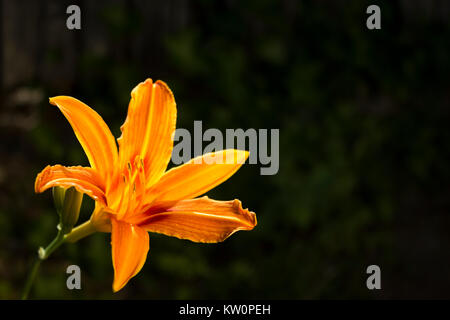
(129, 191)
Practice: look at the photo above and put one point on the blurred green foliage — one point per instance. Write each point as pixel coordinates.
(364, 179)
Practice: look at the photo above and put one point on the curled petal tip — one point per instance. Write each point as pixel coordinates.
(251, 220)
(240, 156)
(166, 87)
(116, 287)
(246, 154)
(53, 100)
(147, 83)
(39, 177)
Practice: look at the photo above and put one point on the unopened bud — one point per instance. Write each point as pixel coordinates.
(58, 198)
(71, 209)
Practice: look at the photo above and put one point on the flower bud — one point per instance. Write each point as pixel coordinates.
(58, 198)
(71, 209)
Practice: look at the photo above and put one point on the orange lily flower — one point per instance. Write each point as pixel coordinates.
(134, 193)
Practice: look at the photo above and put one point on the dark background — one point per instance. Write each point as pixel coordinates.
(364, 141)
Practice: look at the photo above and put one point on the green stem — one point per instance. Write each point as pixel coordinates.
(83, 230)
(30, 279)
(76, 234)
(45, 253)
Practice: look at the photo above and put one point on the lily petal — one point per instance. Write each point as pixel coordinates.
(85, 180)
(197, 176)
(130, 245)
(92, 132)
(149, 128)
(201, 220)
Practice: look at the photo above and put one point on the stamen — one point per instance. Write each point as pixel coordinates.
(134, 191)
